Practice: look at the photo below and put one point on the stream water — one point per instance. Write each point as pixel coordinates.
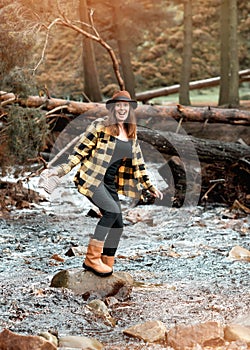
(178, 258)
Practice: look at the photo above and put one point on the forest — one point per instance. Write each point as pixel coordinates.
(181, 277)
(70, 51)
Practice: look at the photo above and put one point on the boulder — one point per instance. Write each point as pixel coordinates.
(13, 341)
(203, 334)
(150, 331)
(85, 283)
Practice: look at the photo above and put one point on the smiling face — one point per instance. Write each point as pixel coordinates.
(121, 111)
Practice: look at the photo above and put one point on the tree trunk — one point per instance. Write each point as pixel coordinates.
(229, 87)
(224, 52)
(233, 97)
(184, 96)
(91, 81)
(123, 46)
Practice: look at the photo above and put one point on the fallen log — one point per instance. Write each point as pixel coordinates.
(196, 114)
(95, 110)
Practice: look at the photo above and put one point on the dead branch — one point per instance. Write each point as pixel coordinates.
(59, 108)
(9, 101)
(66, 22)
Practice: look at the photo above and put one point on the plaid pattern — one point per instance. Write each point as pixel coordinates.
(94, 152)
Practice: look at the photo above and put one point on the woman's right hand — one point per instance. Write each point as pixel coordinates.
(157, 194)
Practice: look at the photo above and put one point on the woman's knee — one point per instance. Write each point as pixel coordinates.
(110, 218)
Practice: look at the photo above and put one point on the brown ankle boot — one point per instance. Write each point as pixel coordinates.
(93, 261)
(108, 260)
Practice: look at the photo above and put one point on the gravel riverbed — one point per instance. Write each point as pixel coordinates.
(178, 258)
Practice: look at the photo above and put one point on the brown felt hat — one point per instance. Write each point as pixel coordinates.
(121, 96)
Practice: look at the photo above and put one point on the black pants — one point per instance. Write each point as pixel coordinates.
(110, 227)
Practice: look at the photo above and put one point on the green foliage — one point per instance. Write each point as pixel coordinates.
(26, 134)
(19, 81)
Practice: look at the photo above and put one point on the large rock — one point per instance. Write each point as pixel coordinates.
(205, 334)
(85, 283)
(13, 341)
(150, 331)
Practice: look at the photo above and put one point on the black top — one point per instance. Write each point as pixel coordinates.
(123, 149)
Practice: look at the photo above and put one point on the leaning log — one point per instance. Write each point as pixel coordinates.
(95, 110)
(146, 96)
(200, 171)
(207, 151)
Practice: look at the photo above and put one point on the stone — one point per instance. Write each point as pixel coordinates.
(80, 342)
(235, 332)
(150, 331)
(203, 334)
(98, 306)
(50, 337)
(76, 251)
(101, 310)
(13, 341)
(87, 284)
(239, 253)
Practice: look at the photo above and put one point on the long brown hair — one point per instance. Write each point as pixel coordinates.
(129, 124)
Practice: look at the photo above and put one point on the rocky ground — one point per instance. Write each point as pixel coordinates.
(179, 259)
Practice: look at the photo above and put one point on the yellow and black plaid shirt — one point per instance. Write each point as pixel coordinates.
(94, 152)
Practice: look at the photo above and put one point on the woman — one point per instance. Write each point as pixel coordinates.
(111, 164)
